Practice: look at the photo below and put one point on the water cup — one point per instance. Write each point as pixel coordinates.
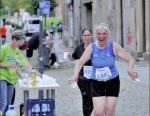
(74, 84)
(66, 54)
(137, 80)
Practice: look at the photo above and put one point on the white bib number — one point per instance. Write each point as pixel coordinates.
(103, 74)
(87, 71)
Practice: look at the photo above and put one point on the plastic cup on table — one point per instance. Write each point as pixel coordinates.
(66, 53)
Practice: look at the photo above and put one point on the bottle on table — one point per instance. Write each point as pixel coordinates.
(11, 111)
(33, 78)
(25, 75)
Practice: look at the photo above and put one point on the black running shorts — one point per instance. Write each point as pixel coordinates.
(107, 88)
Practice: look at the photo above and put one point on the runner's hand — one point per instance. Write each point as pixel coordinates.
(73, 79)
(133, 74)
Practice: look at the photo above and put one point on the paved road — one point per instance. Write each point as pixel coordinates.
(141, 67)
(134, 96)
(133, 100)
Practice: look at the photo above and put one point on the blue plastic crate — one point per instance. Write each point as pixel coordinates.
(40, 107)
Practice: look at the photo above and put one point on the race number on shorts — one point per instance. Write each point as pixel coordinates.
(87, 71)
(103, 74)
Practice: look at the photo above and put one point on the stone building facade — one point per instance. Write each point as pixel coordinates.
(128, 20)
(59, 8)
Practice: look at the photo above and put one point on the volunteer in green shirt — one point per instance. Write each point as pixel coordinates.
(11, 62)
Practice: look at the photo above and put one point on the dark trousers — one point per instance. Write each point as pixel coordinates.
(52, 34)
(85, 88)
(3, 39)
(13, 98)
(53, 58)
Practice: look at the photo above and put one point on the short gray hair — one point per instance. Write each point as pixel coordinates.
(104, 26)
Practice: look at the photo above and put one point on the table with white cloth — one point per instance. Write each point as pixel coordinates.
(44, 83)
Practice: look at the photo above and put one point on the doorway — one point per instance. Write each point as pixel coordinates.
(89, 15)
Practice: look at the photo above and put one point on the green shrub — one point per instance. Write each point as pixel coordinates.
(49, 20)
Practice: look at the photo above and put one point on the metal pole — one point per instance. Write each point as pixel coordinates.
(45, 21)
(46, 50)
(41, 50)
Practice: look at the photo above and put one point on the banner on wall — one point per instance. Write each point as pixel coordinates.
(129, 29)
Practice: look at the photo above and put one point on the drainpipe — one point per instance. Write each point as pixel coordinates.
(121, 17)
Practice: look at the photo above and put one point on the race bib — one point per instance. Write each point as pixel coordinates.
(103, 74)
(87, 71)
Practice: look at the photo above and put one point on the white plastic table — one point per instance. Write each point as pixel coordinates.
(46, 83)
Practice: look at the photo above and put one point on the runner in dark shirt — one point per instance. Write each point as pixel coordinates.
(84, 83)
